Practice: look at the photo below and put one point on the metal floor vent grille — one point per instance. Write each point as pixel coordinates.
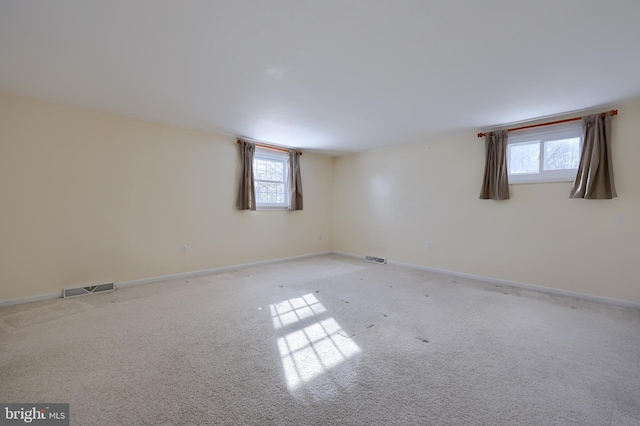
(79, 291)
(373, 259)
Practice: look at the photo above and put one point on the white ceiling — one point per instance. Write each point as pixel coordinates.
(334, 76)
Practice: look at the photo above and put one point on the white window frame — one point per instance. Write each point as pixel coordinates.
(542, 135)
(273, 155)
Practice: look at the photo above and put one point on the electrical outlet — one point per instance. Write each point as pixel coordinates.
(429, 245)
(184, 248)
(320, 236)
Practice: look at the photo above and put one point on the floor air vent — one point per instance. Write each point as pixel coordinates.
(373, 259)
(79, 291)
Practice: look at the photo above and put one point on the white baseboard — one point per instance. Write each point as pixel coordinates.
(215, 270)
(125, 284)
(343, 254)
(575, 294)
(585, 296)
(29, 299)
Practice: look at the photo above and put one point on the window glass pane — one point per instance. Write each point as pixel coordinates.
(270, 171)
(524, 158)
(279, 192)
(259, 169)
(268, 192)
(261, 192)
(562, 154)
(269, 176)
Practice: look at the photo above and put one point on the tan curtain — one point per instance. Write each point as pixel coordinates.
(595, 172)
(496, 183)
(295, 181)
(247, 190)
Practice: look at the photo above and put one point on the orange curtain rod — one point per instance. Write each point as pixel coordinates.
(613, 112)
(261, 145)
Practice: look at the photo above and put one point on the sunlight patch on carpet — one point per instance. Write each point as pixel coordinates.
(308, 351)
(294, 310)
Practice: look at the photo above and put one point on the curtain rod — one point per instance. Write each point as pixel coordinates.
(613, 112)
(275, 148)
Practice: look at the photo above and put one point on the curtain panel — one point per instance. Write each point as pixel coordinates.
(247, 190)
(495, 185)
(295, 181)
(594, 179)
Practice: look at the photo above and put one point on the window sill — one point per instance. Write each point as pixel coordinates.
(272, 208)
(521, 181)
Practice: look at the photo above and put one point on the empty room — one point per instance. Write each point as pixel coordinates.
(340, 212)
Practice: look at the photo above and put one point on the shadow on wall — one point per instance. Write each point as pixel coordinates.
(316, 353)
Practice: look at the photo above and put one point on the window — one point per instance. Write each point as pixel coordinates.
(270, 176)
(545, 154)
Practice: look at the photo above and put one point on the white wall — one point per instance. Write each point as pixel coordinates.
(91, 198)
(390, 202)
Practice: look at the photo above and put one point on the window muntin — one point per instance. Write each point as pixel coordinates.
(270, 177)
(545, 154)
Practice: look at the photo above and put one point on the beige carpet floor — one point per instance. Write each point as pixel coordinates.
(325, 341)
